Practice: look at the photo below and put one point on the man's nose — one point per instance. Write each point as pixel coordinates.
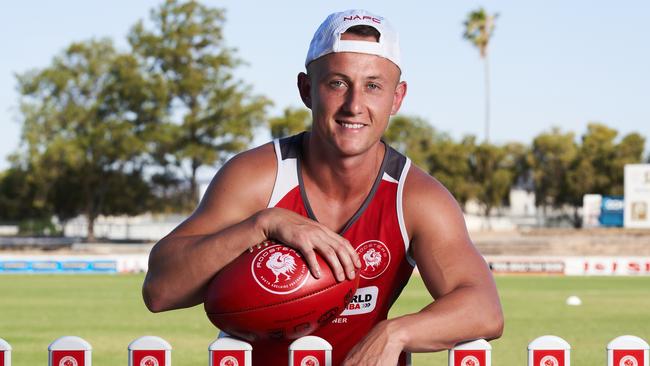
(354, 101)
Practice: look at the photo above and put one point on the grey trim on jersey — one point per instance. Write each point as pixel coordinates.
(363, 206)
(394, 168)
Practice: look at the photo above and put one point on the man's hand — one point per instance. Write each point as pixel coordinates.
(381, 347)
(309, 237)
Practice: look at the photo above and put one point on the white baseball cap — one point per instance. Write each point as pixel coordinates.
(327, 38)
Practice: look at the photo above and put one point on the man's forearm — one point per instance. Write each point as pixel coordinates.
(180, 267)
(464, 314)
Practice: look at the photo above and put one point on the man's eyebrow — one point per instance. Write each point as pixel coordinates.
(337, 75)
(376, 77)
(346, 77)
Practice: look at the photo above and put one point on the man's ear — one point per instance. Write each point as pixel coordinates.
(304, 87)
(398, 97)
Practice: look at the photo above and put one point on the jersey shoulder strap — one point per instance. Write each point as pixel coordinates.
(287, 150)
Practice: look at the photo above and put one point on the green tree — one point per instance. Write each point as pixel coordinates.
(479, 29)
(598, 150)
(211, 115)
(494, 177)
(412, 136)
(292, 121)
(20, 197)
(600, 163)
(82, 124)
(435, 152)
(628, 151)
(552, 156)
(450, 163)
(518, 160)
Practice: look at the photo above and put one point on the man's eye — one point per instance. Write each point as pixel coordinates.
(337, 84)
(373, 86)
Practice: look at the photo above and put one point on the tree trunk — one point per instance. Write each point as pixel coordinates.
(91, 209)
(577, 220)
(90, 225)
(194, 189)
(488, 222)
(487, 98)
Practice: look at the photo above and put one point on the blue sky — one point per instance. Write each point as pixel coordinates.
(553, 63)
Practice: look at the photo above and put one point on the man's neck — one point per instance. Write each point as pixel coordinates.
(341, 177)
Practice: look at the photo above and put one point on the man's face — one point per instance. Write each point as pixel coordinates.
(352, 96)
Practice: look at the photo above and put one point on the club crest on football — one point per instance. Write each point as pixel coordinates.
(375, 257)
(279, 269)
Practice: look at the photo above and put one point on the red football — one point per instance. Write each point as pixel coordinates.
(269, 293)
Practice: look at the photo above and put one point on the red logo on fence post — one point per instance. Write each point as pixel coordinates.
(149, 358)
(68, 358)
(228, 358)
(309, 358)
(628, 357)
(470, 358)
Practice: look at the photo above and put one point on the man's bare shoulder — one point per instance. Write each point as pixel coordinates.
(427, 202)
(251, 173)
(440, 243)
(433, 218)
(239, 189)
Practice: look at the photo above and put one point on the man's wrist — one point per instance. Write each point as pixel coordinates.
(260, 221)
(397, 330)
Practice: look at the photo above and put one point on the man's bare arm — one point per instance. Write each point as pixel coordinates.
(224, 224)
(466, 302)
(231, 217)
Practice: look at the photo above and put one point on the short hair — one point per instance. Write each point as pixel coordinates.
(364, 31)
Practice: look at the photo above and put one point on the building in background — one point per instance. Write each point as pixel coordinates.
(591, 210)
(637, 196)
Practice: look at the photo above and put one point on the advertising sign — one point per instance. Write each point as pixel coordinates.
(637, 196)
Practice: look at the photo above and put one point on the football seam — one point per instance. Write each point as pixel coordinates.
(276, 304)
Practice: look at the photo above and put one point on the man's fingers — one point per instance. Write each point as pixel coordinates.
(354, 256)
(345, 244)
(348, 262)
(332, 258)
(308, 236)
(312, 262)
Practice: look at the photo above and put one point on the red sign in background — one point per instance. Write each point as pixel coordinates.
(539, 355)
(238, 356)
(139, 355)
(2, 358)
(459, 355)
(58, 356)
(304, 358)
(619, 354)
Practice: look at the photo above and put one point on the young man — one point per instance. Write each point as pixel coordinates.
(339, 191)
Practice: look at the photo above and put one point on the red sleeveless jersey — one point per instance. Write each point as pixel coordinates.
(378, 234)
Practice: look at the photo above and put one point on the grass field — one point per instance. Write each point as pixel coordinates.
(108, 312)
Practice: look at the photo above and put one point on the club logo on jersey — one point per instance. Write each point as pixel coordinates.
(149, 361)
(628, 361)
(309, 361)
(68, 361)
(228, 361)
(279, 269)
(549, 361)
(470, 361)
(375, 258)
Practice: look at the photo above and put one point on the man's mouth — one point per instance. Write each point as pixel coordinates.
(350, 125)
